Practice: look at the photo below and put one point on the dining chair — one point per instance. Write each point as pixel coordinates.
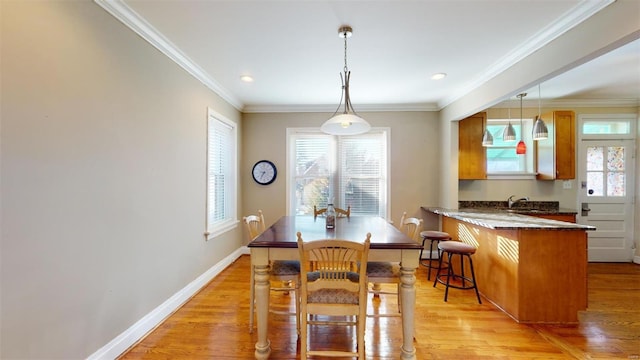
(284, 272)
(333, 290)
(381, 272)
(339, 212)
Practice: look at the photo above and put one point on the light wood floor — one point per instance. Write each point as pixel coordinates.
(214, 324)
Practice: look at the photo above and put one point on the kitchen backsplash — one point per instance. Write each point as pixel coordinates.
(529, 205)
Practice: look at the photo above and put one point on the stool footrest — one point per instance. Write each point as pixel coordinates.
(456, 277)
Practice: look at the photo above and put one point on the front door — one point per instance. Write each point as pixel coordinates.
(606, 193)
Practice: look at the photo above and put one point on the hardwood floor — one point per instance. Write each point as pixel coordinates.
(214, 324)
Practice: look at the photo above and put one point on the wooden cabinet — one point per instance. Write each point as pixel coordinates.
(472, 158)
(555, 156)
(534, 275)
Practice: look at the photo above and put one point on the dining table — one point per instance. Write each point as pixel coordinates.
(279, 242)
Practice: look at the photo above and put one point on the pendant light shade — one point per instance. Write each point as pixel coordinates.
(509, 133)
(346, 122)
(487, 138)
(539, 131)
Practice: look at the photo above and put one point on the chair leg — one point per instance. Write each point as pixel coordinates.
(462, 269)
(440, 255)
(303, 335)
(449, 274)
(473, 277)
(430, 260)
(297, 302)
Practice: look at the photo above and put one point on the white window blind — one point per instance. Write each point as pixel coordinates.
(350, 170)
(221, 176)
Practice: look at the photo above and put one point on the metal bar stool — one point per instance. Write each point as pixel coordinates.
(433, 236)
(461, 249)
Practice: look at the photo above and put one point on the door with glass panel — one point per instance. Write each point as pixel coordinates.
(606, 189)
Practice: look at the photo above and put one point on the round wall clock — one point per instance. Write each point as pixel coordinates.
(264, 172)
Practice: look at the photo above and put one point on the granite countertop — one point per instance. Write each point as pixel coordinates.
(525, 207)
(502, 219)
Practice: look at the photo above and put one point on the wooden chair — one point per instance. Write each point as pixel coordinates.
(333, 290)
(389, 272)
(286, 272)
(339, 212)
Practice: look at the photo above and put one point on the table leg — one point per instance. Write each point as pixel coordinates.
(408, 293)
(263, 346)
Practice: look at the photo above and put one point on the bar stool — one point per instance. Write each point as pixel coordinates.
(433, 236)
(461, 249)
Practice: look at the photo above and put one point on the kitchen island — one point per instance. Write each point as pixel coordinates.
(534, 269)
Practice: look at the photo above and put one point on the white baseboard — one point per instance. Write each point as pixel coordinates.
(636, 259)
(130, 336)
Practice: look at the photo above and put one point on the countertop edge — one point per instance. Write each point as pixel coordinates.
(498, 220)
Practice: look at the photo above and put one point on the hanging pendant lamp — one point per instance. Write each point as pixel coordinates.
(509, 133)
(521, 148)
(346, 122)
(539, 131)
(487, 138)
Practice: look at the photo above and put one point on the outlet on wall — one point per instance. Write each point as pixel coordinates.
(566, 184)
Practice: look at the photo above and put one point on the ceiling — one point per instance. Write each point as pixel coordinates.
(293, 52)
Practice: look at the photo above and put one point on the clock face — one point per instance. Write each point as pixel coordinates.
(264, 172)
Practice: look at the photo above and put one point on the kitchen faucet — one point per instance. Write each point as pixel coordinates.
(512, 202)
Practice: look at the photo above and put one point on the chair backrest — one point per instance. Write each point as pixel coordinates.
(255, 224)
(332, 263)
(411, 227)
(339, 212)
(404, 216)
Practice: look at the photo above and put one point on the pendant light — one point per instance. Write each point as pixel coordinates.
(539, 131)
(521, 148)
(347, 122)
(509, 133)
(487, 138)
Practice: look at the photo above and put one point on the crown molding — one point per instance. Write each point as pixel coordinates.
(332, 108)
(140, 26)
(570, 103)
(569, 20)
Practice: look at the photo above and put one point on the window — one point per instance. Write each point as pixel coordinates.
(501, 156)
(607, 126)
(221, 175)
(351, 170)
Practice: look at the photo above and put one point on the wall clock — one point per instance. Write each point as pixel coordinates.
(264, 172)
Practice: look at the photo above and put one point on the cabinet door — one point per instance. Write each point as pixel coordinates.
(555, 156)
(565, 145)
(472, 158)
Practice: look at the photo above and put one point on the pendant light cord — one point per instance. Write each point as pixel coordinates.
(521, 128)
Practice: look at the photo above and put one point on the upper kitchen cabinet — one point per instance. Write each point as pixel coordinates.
(556, 155)
(472, 158)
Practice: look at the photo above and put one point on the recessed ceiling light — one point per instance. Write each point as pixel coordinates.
(246, 78)
(438, 76)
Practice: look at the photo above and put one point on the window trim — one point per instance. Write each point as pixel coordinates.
(230, 221)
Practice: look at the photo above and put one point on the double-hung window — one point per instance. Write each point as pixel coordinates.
(221, 174)
(346, 170)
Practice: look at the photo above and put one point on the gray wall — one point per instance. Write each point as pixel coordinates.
(414, 160)
(102, 179)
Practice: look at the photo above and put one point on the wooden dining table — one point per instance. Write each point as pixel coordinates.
(279, 242)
